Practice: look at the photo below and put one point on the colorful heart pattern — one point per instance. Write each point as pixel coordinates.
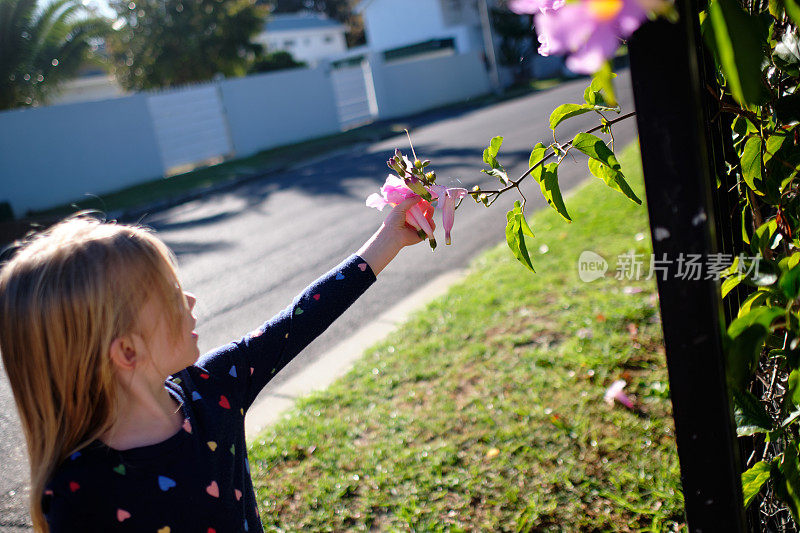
(165, 483)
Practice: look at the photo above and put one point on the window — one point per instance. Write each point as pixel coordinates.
(328, 38)
(288, 43)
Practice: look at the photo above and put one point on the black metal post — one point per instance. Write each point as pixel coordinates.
(679, 169)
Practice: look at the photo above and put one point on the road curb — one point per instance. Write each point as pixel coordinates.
(337, 361)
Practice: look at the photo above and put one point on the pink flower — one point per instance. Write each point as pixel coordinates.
(447, 202)
(531, 7)
(615, 392)
(393, 192)
(590, 31)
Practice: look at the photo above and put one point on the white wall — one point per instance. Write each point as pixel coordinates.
(278, 108)
(391, 24)
(308, 45)
(52, 155)
(445, 80)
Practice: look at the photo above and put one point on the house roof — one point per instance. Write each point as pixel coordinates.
(300, 21)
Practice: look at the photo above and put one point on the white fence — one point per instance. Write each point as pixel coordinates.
(57, 154)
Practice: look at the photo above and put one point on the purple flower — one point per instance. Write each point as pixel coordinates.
(615, 392)
(531, 7)
(589, 31)
(447, 201)
(393, 192)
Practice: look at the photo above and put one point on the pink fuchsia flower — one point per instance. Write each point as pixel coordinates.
(393, 192)
(615, 392)
(447, 202)
(590, 31)
(531, 7)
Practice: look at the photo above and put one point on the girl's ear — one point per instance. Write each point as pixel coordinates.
(123, 353)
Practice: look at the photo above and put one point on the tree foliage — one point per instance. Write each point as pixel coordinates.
(270, 62)
(166, 43)
(41, 46)
(757, 51)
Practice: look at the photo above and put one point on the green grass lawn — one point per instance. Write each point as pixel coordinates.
(485, 412)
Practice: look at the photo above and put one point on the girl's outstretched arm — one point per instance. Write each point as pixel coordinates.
(238, 371)
(393, 235)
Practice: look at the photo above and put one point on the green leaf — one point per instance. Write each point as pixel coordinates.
(551, 191)
(565, 111)
(793, 10)
(753, 479)
(792, 397)
(750, 415)
(752, 164)
(593, 95)
(744, 342)
(603, 80)
(613, 178)
(789, 283)
(516, 229)
(790, 489)
(763, 316)
(595, 148)
(502, 175)
(731, 283)
(537, 155)
(490, 153)
(739, 47)
(490, 158)
(773, 144)
(755, 299)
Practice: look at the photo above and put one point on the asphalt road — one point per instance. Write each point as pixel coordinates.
(246, 252)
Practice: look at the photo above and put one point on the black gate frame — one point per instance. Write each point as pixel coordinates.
(683, 152)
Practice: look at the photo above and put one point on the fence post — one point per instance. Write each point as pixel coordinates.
(679, 169)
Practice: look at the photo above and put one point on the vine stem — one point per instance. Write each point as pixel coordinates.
(515, 183)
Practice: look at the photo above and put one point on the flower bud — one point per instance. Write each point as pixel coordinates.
(484, 199)
(415, 185)
(426, 162)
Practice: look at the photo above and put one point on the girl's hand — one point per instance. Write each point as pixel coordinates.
(393, 235)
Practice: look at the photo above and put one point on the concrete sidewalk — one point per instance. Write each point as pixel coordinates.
(340, 359)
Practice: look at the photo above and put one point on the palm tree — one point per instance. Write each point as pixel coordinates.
(42, 46)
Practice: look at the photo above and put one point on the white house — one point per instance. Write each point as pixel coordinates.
(390, 24)
(307, 36)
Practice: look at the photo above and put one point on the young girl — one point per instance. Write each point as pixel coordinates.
(126, 429)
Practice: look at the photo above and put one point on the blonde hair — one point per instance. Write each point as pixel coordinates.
(64, 297)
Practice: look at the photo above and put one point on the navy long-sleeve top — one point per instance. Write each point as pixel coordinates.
(198, 480)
